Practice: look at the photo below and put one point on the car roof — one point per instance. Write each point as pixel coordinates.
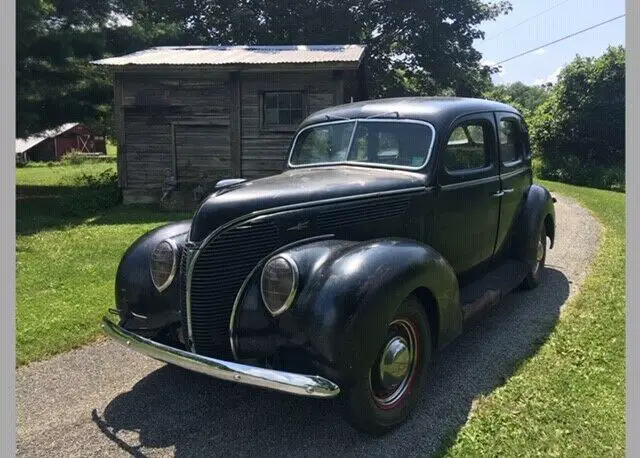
(439, 111)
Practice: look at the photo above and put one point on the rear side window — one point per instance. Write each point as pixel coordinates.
(524, 129)
(511, 140)
(468, 147)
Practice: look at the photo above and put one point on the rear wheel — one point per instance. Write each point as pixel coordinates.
(390, 387)
(535, 275)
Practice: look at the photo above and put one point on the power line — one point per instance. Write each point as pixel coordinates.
(560, 39)
(525, 21)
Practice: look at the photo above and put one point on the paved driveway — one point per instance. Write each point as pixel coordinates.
(103, 400)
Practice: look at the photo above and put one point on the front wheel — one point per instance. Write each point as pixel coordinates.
(533, 278)
(392, 384)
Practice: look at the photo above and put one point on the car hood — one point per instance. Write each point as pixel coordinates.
(297, 186)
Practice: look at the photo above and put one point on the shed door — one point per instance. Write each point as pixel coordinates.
(202, 149)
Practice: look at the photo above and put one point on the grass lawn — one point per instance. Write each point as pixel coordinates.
(67, 254)
(569, 398)
(44, 175)
(112, 149)
(566, 400)
(65, 279)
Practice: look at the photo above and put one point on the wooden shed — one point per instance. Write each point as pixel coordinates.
(189, 116)
(53, 144)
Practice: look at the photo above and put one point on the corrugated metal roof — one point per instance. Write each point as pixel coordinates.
(239, 55)
(23, 144)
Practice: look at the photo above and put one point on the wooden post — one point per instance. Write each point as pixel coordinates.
(338, 79)
(235, 120)
(121, 160)
(174, 152)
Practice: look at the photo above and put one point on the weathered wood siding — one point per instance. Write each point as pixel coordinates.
(264, 151)
(351, 86)
(151, 105)
(202, 149)
(189, 123)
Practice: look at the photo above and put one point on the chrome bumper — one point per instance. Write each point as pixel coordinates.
(305, 385)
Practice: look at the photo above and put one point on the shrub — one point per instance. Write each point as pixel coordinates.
(73, 157)
(94, 192)
(579, 130)
(572, 170)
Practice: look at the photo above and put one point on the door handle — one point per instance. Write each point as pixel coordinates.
(498, 194)
(506, 191)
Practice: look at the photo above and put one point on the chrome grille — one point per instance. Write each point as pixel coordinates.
(218, 273)
(225, 261)
(350, 214)
(182, 272)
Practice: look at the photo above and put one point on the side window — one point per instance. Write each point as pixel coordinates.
(511, 144)
(468, 147)
(524, 129)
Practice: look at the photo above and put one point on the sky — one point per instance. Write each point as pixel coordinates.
(510, 35)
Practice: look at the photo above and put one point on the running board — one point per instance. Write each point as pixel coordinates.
(479, 296)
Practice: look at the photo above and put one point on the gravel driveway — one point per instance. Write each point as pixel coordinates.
(103, 400)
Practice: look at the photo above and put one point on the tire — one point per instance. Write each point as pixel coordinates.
(374, 409)
(533, 278)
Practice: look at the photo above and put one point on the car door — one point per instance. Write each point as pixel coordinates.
(467, 202)
(515, 174)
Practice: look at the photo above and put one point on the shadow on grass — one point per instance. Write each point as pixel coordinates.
(41, 208)
(201, 416)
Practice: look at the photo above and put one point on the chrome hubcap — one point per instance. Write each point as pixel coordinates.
(539, 255)
(394, 364)
(391, 376)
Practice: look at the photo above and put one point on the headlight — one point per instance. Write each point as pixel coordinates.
(278, 283)
(164, 262)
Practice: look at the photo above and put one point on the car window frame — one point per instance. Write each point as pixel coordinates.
(426, 162)
(524, 128)
(500, 116)
(488, 171)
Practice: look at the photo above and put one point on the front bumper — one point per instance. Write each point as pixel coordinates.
(300, 384)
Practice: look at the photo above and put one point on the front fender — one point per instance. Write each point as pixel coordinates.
(347, 295)
(139, 304)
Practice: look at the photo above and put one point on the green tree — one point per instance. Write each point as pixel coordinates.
(579, 130)
(524, 98)
(420, 47)
(56, 41)
(414, 46)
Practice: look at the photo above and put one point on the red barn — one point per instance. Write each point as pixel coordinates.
(51, 145)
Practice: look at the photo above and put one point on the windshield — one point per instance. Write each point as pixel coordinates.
(395, 143)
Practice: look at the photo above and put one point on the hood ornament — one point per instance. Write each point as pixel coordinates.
(299, 226)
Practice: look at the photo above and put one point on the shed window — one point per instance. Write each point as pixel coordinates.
(283, 108)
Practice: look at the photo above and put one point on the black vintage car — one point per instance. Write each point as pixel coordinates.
(396, 222)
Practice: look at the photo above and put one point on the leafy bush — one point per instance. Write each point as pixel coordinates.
(570, 169)
(522, 97)
(579, 130)
(75, 157)
(94, 192)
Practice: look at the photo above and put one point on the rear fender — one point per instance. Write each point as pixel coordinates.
(538, 210)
